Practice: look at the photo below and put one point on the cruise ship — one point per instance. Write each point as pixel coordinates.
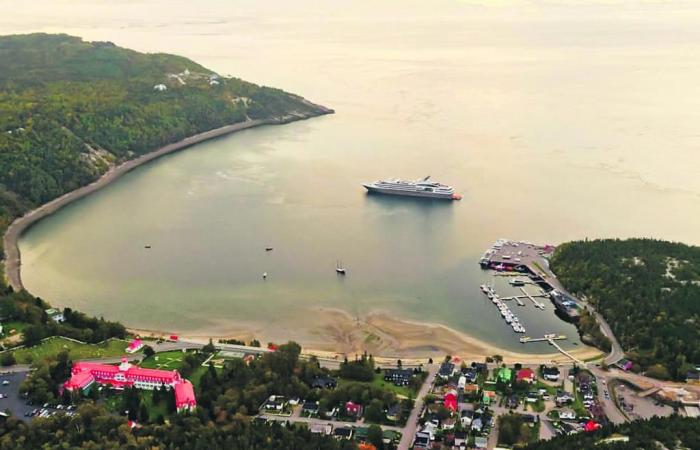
(420, 188)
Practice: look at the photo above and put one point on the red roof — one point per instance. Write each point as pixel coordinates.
(591, 426)
(352, 407)
(451, 401)
(525, 374)
(184, 395)
(83, 373)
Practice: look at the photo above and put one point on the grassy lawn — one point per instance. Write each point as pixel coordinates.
(403, 391)
(17, 326)
(52, 347)
(165, 360)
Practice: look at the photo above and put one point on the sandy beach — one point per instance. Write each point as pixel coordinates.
(12, 260)
(338, 334)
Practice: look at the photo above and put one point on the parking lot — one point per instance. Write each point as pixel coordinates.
(640, 407)
(11, 400)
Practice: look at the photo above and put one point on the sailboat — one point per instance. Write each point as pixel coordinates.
(339, 268)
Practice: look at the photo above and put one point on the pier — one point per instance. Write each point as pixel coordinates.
(532, 299)
(551, 338)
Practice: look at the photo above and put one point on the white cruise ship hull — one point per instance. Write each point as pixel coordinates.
(409, 193)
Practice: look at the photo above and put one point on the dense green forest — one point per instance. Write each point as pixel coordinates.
(656, 433)
(69, 109)
(649, 293)
(95, 428)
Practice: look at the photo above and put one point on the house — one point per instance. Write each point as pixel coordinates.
(400, 377)
(447, 369)
(624, 364)
(421, 440)
(461, 439)
(480, 367)
(563, 398)
(525, 375)
(324, 383)
(160, 87)
(448, 424)
(505, 375)
(531, 418)
(469, 374)
(389, 436)
(488, 398)
(450, 400)
(393, 412)
(353, 409)
(550, 373)
(275, 404)
(85, 374)
(134, 346)
(55, 315)
(481, 442)
(343, 432)
(462, 382)
(567, 414)
(321, 428)
(466, 416)
(512, 401)
(477, 425)
(309, 408)
(532, 397)
(692, 377)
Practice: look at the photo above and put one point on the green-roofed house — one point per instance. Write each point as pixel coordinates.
(361, 434)
(505, 375)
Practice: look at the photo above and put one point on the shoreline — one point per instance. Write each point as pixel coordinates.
(338, 334)
(13, 258)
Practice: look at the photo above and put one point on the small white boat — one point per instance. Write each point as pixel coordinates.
(339, 269)
(264, 275)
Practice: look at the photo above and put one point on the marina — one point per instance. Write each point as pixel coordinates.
(530, 260)
(510, 318)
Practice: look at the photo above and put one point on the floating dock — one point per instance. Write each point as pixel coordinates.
(532, 299)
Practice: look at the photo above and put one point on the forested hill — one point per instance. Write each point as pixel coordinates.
(69, 109)
(657, 433)
(649, 293)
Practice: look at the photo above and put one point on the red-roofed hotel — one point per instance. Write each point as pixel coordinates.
(84, 374)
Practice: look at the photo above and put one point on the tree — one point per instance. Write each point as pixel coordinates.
(7, 359)
(374, 412)
(375, 436)
(148, 351)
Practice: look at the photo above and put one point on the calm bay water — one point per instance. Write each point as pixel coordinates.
(554, 122)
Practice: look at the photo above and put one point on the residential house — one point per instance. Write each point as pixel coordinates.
(692, 377)
(321, 428)
(324, 383)
(343, 432)
(477, 425)
(447, 369)
(567, 414)
(450, 401)
(274, 403)
(134, 346)
(400, 377)
(461, 439)
(466, 416)
(624, 364)
(550, 373)
(393, 412)
(480, 367)
(531, 419)
(309, 408)
(353, 409)
(525, 375)
(512, 401)
(55, 315)
(448, 424)
(481, 442)
(505, 375)
(469, 374)
(563, 398)
(421, 440)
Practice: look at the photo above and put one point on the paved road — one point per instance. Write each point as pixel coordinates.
(314, 421)
(409, 431)
(611, 410)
